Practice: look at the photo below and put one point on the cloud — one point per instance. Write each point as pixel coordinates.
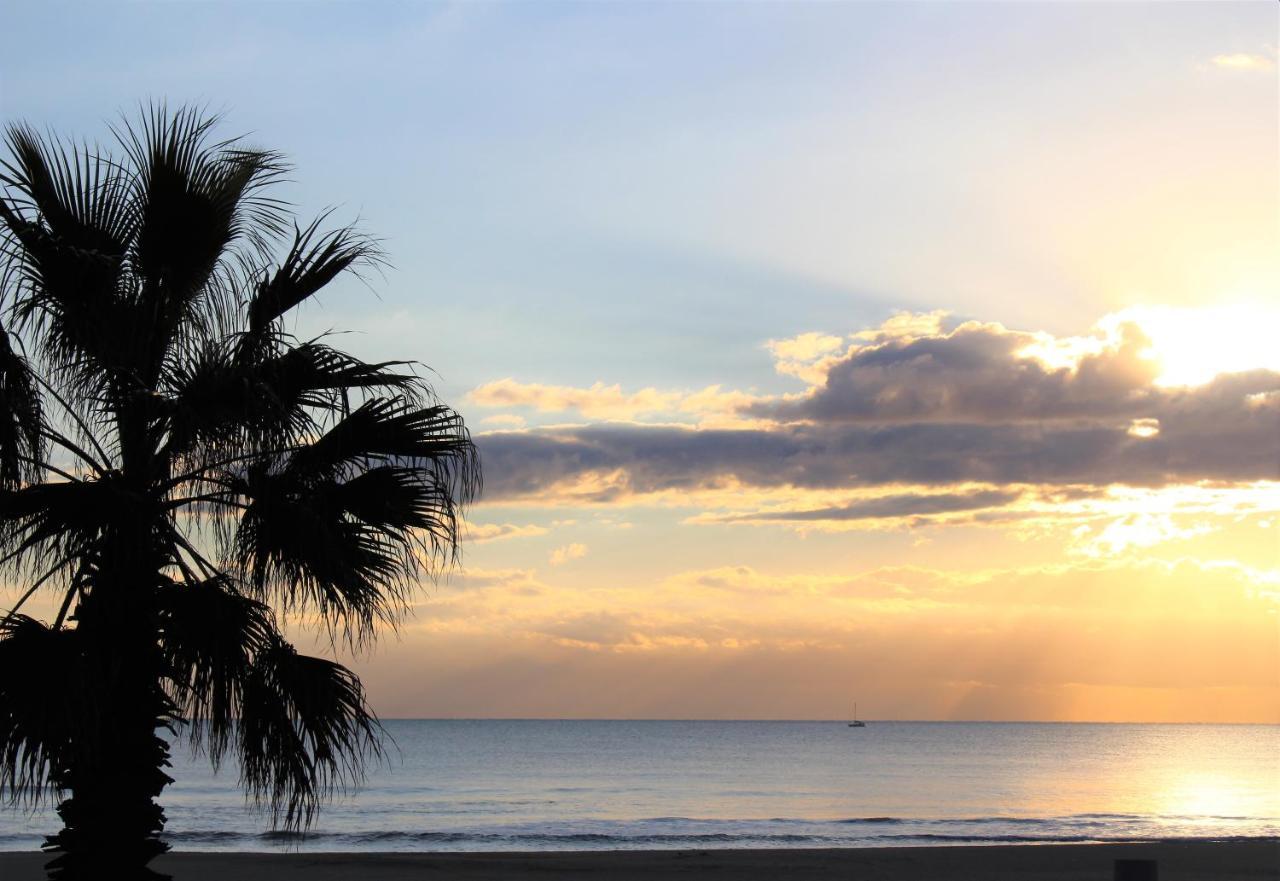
(1211, 435)
(917, 403)
(504, 420)
(1135, 530)
(600, 401)
(804, 356)
(1144, 428)
(510, 579)
(1243, 61)
(886, 507)
(482, 532)
(806, 347)
(562, 555)
(976, 373)
(591, 629)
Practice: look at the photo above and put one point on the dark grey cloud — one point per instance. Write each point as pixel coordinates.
(953, 407)
(975, 375)
(1226, 431)
(901, 505)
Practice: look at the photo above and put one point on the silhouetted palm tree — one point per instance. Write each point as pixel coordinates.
(174, 465)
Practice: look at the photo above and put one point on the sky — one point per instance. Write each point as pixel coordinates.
(914, 354)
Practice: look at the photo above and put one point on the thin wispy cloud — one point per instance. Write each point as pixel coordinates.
(483, 532)
(600, 401)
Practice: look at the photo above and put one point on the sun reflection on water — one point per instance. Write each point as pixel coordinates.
(1203, 795)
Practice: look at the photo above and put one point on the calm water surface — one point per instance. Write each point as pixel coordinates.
(543, 785)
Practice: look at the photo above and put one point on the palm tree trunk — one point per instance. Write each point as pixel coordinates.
(112, 821)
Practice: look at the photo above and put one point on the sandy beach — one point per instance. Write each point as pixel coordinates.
(1178, 861)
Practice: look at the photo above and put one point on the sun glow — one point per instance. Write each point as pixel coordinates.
(1193, 345)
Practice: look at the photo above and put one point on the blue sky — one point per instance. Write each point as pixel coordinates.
(645, 193)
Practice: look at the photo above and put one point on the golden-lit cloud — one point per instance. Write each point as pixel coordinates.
(565, 553)
(523, 582)
(1144, 427)
(805, 356)
(483, 532)
(915, 366)
(1243, 61)
(1136, 530)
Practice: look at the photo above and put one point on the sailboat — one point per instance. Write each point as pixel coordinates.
(856, 723)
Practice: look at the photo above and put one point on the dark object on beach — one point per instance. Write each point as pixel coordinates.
(174, 467)
(1136, 870)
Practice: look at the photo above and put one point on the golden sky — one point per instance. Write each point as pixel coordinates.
(949, 520)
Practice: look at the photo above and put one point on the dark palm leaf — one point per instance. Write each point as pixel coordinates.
(267, 400)
(21, 418)
(65, 224)
(383, 429)
(80, 195)
(43, 704)
(69, 296)
(313, 366)
(45, 522)
(313, 261)
(305, 732)
(196, 199)
(297, 545)
(341, 526)
(221, 403)
(210, 634)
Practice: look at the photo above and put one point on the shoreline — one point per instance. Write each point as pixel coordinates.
(1183, 860)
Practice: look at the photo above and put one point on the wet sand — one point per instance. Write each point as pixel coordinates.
(1178, 861)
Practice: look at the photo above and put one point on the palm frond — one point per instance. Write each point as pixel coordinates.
(79, 194)
(343, 525)
(21, 418)
(313, 260)
(210, 634)
(68, 298)
(244, 397)
(315, 367)
(44, 705)
(58, 520)
(196, 199)
(305, 733)
(66, 220)
(296, 545)
(393, 430)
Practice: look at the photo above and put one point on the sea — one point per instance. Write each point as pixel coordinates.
(527, 785)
